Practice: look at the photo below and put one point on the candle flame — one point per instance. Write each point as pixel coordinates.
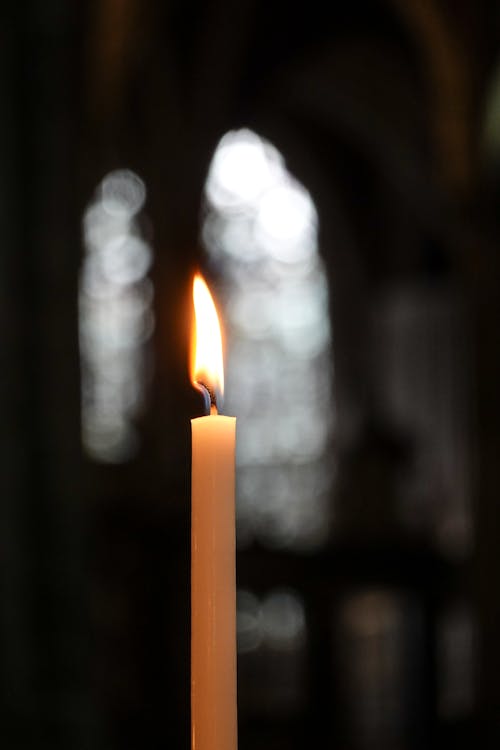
(207, 369)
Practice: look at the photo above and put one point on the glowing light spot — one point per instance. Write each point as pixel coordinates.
(242, 168)
(286, 223)
(125, 259)
(115, 319)
(123, 193)
(261, 230)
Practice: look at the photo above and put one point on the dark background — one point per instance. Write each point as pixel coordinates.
(385, 111)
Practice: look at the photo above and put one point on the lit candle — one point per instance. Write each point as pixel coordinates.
(213, 585)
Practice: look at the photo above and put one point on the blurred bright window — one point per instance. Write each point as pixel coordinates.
(115, 315)
(260, 230)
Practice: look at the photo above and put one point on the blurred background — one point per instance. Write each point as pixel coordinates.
(334, 171)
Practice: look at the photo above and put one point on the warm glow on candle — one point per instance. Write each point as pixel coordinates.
(213, 574)
(207, 367)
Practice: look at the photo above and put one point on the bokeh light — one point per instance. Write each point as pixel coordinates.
(116, 318)
(261, 233)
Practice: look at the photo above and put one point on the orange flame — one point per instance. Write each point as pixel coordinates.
(207, 367)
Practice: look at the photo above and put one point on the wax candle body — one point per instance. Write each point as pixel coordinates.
(213, 585)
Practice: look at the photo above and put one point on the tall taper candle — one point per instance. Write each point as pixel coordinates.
(213, 576)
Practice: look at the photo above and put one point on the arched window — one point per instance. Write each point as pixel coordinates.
(260, 231)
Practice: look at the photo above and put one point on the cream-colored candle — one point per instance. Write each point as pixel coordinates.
(213, 584)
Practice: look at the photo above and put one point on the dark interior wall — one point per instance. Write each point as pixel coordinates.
(379, 110)
(44, 680)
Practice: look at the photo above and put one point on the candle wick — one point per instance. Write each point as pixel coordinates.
(209, 398)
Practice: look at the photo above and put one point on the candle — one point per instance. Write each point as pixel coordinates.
(213, 577)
